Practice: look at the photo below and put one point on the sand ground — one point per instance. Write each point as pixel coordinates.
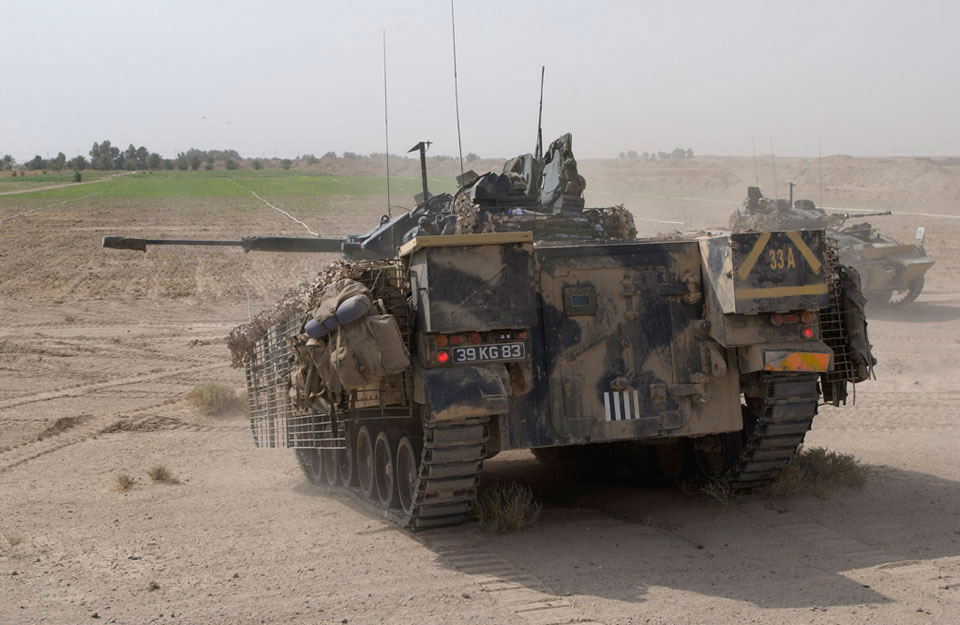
(117, 340)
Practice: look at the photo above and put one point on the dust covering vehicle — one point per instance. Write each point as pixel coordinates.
(509, 316)
(891, 272)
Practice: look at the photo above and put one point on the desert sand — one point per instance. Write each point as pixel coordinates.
(110, 343)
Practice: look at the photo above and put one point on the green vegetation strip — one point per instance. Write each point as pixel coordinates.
(217, 184)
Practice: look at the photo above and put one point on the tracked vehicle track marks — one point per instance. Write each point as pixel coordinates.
(25, 452)
(525, 595)
(86, 389)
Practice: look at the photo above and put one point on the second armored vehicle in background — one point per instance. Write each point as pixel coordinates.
(891, 272)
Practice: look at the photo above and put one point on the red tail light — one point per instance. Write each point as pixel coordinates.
(808, 332)
(441, 341)
(442, 357)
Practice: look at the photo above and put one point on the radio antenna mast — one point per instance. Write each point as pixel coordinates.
(774, 159)
(386, 129)
(756, 165)
(538, 152)
(820, 168)
(456, 90)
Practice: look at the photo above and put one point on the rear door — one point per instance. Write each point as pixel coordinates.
(616, 324)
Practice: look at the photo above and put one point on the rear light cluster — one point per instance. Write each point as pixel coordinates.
(443, 340)
(808, 319)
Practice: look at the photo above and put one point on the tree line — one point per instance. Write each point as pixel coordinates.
(677, 154)
(104, 156)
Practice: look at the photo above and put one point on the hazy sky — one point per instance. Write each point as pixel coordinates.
(869, 78)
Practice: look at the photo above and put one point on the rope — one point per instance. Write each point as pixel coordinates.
(34, 210)
(279, 210)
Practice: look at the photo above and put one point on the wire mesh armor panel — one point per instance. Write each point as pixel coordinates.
(274, 419)
(833, 330)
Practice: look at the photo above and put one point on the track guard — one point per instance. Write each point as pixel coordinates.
(463, 392)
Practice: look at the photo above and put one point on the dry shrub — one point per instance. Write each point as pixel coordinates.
(162, 475)
(506, 507)
(714, 488)
(125, 482)
(13, 541)
(817, 472)
(212, 399)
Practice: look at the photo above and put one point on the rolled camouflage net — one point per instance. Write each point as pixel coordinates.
(298, 300)
(618, 223)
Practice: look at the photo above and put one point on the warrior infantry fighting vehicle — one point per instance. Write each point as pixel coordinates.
(511, 317)
(891, 272)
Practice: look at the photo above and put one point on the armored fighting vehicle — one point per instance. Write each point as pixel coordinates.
(891, 272)
(512, 317)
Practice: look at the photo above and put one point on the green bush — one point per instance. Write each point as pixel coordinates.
(77, 176)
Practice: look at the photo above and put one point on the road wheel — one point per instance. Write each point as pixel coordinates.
(717, 453)
(364, 453)
(346, 460)
(312, 464)
(331, 468)
(908, 294)
(408, 460)
(384, 471)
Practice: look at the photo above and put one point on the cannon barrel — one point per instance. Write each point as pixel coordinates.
(254, 243)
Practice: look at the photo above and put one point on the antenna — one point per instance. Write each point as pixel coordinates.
(774, 158)
(756, 166)
(820, 168)
(386, 129)
(538, 153)
(456, 91)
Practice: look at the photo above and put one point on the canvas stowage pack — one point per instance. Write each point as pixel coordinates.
(366, 351)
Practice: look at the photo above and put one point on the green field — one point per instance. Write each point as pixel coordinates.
(218, 184)
(25, 183)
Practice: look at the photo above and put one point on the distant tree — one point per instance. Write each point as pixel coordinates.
(310, 159)
(78, 163)
(621, 156)
(195, 163)
(102, 155)
(59, 162)
(689, 152)
(256, 164)
(182, 163)
(230, 164)
(351, 155)
(678, 153)
(662, 155)
(7, 162)
(645, 156)
(632, 155)
(330, 155)
(36, 162)
(77, 176)
(208, 166)
(209, 162)
(154, 161)
(472, 157)
(286, 163)
(169, 164)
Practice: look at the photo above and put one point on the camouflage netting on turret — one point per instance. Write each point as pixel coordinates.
(298, 300)
(614, 222)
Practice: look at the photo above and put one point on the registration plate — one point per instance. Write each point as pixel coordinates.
(486, 353)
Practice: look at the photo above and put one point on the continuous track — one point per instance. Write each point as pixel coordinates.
(446, 481)
(774, 426)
